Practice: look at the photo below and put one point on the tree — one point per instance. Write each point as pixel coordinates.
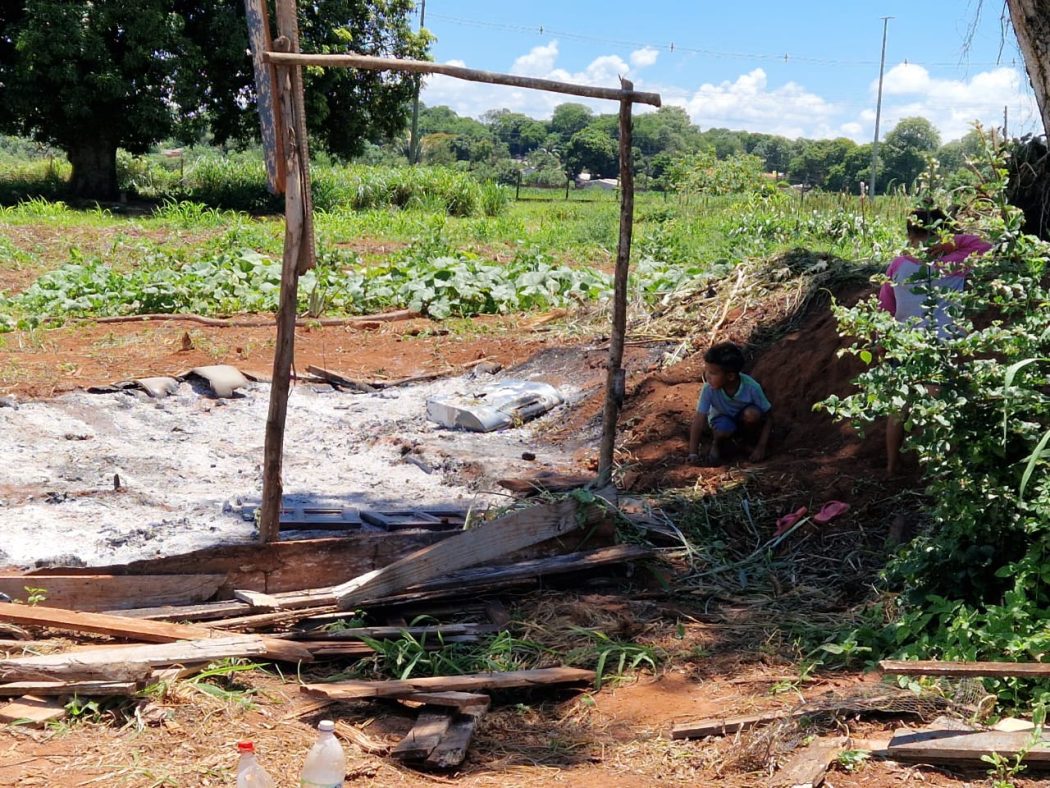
(518, 132)
(1031, 23)
(91, 76)
(591, 150)
(906, 149)
(568, 119)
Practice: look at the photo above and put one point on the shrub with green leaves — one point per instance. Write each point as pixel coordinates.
(976, 410)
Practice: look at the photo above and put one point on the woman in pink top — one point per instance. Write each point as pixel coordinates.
(906, 296)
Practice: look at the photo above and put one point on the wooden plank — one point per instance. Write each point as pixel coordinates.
(87, 688)
(286, 566)
(963, 747)
(112, 592)
(352, 60)
(721, 726)
(451, 751)
(269, 108)
(499, 537)
(455, 700)
(258, 600)
(807, 767)
(30, 710)
(430, 726)
(128, 663)
(134, 629)
(346, 690)
(434, 633)
(963, 669)
(101, 624)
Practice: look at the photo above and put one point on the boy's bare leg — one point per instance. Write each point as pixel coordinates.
(755, 421)
(714, 456)
(894, 441)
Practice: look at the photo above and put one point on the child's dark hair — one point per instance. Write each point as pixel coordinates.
(725, 355)
(923, 221)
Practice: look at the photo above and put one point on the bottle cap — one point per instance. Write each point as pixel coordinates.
(245, 746)
(326, 726)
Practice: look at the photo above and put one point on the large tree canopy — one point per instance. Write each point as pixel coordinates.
(89, 76)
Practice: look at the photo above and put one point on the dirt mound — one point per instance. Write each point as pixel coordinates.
(797, 371)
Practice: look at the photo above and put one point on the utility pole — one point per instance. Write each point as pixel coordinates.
(878, 109)
(413, 140)
(1006, 135)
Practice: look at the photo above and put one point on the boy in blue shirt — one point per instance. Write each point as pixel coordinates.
(730, 401)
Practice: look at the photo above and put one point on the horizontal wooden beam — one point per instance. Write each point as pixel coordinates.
(1031, 670)
(351, 60)
(349, 690)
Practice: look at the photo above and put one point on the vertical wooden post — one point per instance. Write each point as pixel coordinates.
(615, 378)
(298, 257)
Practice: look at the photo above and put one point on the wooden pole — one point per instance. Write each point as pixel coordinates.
(615, 377)
(298, 248)
(351, 60)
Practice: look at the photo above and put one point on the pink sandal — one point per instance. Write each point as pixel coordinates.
(788, 520)
(830, 511)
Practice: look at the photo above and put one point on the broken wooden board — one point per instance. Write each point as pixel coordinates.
(85, 688)
(721, 726)
(430, 726)
(942, 746)
(361, 739)
(135, 629)
(101, 624)
(963, 669)
(434, 633)
(545, 481)
(479, 545)
(258, 600)
(285, 566)
(345, 690)
(129, 663)
(342, 381)
(807, 767)
(455, 700)
(31, 710)
(97, 592)
(451, 751)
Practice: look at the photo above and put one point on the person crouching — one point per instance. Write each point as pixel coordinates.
(730, 402)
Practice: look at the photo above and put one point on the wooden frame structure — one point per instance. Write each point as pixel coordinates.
(278, 67)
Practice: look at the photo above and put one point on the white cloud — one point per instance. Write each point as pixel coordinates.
(952, 105)
(643, 57)
(749, 103)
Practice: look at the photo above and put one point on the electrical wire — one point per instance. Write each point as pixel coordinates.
(675, 48)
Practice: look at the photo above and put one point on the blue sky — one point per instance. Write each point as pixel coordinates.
(803, 68)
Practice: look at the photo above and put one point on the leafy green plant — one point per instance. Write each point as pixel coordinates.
(34, 596)
(609, 657)
(976, 411)
(852, 760)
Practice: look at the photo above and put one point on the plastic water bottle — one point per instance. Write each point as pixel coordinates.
(249, 773)
(325, 764)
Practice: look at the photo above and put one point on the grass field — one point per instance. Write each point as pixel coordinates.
(428, 239)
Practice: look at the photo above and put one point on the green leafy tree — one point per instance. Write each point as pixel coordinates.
(520, 133)
(568, 119)
(594, 151)
(92, 76)
(905, 151)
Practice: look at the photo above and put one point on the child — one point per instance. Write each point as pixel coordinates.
(729, 401)
(907, 295)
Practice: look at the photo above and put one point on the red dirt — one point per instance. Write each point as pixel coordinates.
(45, 362)
(799, 370)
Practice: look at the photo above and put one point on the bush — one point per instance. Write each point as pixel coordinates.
(974, 585)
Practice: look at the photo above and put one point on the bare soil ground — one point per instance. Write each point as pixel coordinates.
(616, 736)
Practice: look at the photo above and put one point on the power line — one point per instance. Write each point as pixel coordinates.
(675, 48)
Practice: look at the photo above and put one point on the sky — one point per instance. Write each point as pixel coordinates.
(799, 68)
